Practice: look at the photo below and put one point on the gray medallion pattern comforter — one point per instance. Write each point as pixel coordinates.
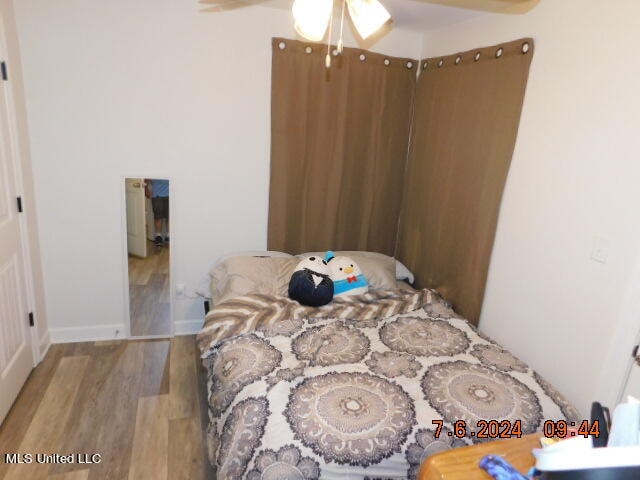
(350, 390)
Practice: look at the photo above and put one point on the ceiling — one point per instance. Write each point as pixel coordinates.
(421, 15)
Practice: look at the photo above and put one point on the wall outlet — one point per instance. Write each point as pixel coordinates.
(180, 288)
(600, 251)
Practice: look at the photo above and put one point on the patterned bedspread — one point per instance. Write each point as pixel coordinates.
(352, 389)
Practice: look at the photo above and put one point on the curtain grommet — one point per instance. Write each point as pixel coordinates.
(282, 45)
(441, 62)
(308, 50)
(458, 60)
(526, 47)
(362, 57)
(477, 56)
(386, 62)
(409, 65)
(499, 52)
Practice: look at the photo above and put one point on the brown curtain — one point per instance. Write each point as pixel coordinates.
(339, 140)
(467, 113)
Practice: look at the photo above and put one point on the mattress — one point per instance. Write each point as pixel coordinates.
(366, 387)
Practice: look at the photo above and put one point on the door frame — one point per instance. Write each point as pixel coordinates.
(140, 182)
(16, 156)
(628, 371)
(626, 334)
(125, 255)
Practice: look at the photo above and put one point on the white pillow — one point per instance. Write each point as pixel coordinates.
(401, 271)
(254, 253)
(244, 275)
(204, 289)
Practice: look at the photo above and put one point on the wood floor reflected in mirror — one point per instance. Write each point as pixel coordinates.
(148, 237)
(149, 304)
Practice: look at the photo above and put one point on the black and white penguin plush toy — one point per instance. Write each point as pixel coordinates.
(310, 283)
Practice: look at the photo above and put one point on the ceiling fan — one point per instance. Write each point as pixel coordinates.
(503, 6)
(312, 18)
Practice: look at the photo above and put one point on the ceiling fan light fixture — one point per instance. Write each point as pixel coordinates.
(311, 18)
(367, 16)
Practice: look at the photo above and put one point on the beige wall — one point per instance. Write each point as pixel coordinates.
(148, 89)
(151, 88)
(37, 300)
(575, 175)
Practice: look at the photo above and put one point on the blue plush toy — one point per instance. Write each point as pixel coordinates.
(346, 275)
(310, 283)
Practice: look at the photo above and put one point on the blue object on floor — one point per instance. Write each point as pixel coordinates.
(500, 469)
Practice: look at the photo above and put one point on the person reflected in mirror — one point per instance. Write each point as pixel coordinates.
(158, 192)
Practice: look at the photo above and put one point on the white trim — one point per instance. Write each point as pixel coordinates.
(44, 344)
(87, 334)
(125, 256)
(149, 337)
(188, 327)
(15, 156)
(618, 361)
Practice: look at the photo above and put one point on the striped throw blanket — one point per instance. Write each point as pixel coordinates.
(258, 312)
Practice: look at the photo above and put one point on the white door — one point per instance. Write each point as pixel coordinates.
(136, 221)
(151, 228)
(16, 355)
(633, 383)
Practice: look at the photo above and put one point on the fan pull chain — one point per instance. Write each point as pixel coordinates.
(340, 44)
(327, 59)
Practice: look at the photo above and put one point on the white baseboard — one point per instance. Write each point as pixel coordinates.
(187, 327)
(107, 332)
(87, 334)
(43, 345)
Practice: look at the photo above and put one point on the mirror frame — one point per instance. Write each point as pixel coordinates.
(124, 254)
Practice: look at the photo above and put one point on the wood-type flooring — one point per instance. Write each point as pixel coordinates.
(140, 405)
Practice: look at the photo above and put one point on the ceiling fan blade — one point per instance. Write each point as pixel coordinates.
(501, 6)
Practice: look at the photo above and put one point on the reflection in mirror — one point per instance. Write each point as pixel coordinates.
(147, 204)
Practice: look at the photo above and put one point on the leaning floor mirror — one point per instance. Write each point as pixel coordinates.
(148, 251)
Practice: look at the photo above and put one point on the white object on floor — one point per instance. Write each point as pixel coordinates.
(578, 454)
(625, 428)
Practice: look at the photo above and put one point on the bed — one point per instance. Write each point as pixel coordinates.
(363, 388)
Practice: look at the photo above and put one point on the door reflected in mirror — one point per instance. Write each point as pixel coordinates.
(148, 240)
